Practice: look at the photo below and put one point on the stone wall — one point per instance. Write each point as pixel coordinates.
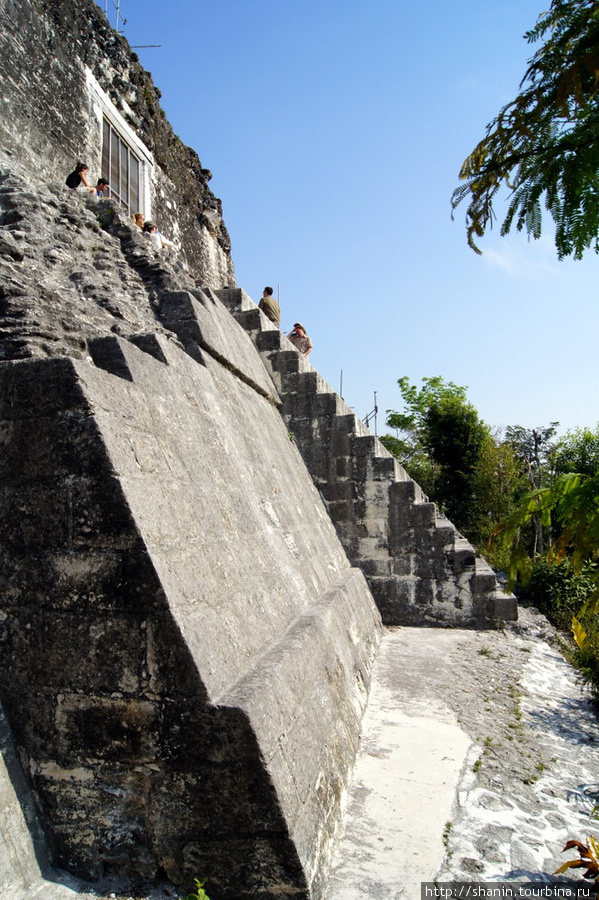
(186, 651)
(48, 121)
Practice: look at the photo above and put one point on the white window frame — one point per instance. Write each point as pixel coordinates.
(103, 108)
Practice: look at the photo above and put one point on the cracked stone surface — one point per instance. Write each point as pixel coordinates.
(71, 268)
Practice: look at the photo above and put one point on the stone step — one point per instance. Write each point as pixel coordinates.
(338, 490)
(372, 444)
(235, 299)
(271, 341)
(288, 365)
(410, 492)
(317, 405)
(385, 468)
(413, 557)
(374, 567)
(252, 321)
(464, 557)
(305, 380)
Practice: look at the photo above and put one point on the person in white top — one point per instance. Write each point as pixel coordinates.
(158, 239)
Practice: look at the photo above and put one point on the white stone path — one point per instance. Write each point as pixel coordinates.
(404, 785)
(478, 761)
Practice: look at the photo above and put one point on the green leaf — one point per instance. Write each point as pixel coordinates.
(545, 143)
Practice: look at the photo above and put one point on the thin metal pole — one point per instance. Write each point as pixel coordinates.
(341, 385)
(118, 16)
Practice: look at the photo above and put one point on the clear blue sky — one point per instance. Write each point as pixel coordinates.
(335, 130)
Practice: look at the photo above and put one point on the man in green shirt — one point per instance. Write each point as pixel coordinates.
(270, 307)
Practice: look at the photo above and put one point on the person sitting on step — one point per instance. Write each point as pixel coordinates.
(78, 178)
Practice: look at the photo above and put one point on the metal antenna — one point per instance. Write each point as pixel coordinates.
(372, 415)
(118, 15)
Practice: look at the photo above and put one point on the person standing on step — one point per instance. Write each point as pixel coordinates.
(270, 307)
(300, 339)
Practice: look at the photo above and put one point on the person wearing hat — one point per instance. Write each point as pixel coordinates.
(102, 188)
(300, 339)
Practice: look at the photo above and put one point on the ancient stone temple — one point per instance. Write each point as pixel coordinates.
(191, 599)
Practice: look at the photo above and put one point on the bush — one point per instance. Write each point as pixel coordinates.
(586, 635)
(558, 591)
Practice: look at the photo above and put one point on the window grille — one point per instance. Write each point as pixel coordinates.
(122, 168)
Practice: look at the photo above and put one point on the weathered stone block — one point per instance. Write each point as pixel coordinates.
(343, 467)
(341, 512)
(288, 363)
(463, 559)
(379, 567)
(504, 607)
(23, 393)
(269, 341)
(140, 632)
(443, 541)
(152, 344)
(234, 298)
(325, 405)
(395, 600)
(101, 728)
(343, 490)
(250, 320)
(424, 593)
(63, 652)
(383, 468)
(423, 515)
(107, 353)
(403, 565)
(483, 582)
(404, 492)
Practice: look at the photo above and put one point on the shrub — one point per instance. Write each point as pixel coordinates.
(558, 591)
(585, 628)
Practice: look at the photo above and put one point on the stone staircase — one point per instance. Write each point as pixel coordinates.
(420, 569)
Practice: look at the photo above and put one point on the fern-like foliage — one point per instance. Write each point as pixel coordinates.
(571, 505)
(545, 143)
